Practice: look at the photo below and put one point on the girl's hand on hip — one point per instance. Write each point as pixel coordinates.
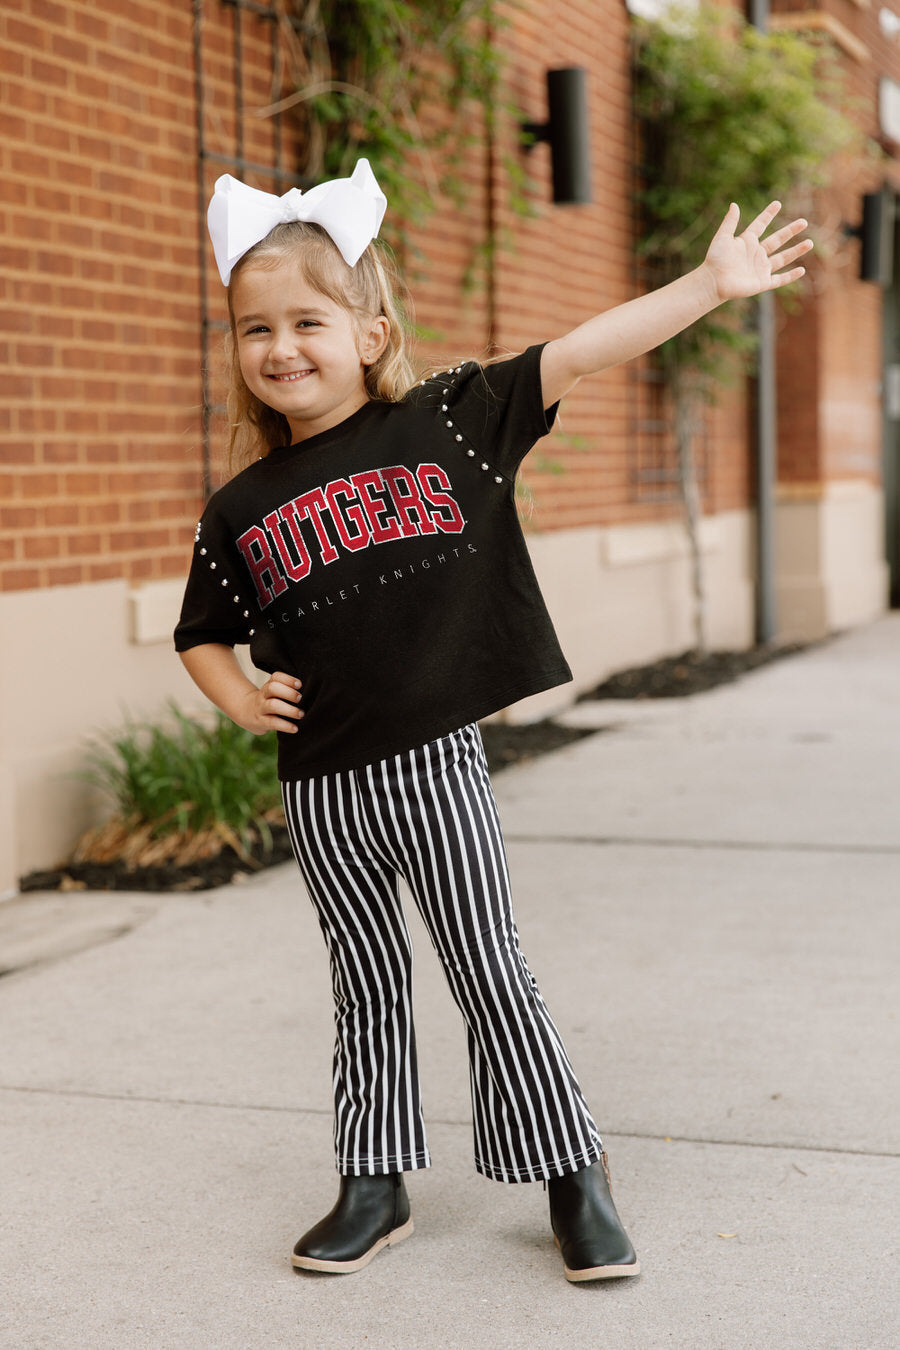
(741, 265)
(273, 707)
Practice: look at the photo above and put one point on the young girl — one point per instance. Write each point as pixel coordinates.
(372, 558)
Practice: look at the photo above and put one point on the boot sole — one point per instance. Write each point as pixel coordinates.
(347, 1267)
(598, 1272)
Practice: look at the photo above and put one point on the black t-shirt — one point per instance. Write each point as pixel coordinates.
(382, 563)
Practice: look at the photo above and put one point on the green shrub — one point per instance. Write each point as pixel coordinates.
(183, 789)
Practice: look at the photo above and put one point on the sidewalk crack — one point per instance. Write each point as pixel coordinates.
(739, 845)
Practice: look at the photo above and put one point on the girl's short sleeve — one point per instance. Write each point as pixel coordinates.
(497, 408)
(213, 609)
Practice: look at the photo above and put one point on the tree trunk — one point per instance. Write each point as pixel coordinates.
(686, 410)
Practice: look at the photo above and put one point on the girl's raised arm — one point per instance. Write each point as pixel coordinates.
(735, 266)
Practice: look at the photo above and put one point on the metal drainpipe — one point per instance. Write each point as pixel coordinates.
(766, 436)
(766, 473)
(205, 390)
(490, 223)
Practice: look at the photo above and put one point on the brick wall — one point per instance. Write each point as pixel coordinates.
(829, 352)
(569, 262)
(101, 307)
(99, 313)
(100, 323)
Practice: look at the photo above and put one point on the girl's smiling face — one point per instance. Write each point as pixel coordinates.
(299, 351)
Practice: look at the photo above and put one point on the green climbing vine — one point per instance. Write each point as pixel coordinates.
(410, 85)
(726, 113)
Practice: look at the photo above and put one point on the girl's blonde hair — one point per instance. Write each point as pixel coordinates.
(371, 289)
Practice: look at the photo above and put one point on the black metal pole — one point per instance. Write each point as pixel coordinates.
(205, 393)
(766, 437)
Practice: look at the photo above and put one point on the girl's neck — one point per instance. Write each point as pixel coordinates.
(304, 429)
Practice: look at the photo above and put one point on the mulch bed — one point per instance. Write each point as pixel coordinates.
(505, 745)
(689, 673)
(225, 867)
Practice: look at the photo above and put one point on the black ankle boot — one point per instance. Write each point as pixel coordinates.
(587, 1229)
(371, 1213)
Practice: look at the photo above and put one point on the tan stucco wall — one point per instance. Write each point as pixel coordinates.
(830, 549)
(77, 659)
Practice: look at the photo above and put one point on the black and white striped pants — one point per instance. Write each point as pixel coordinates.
(429, 816)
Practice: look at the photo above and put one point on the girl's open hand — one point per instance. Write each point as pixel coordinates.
(273, 707)
(742, 265)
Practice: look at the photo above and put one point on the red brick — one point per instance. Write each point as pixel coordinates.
(54, 262)
(102, 452)
(35, 228)
(18, 517)
(70, 49)
(90, 86)
(82, 484)
(17, 452)
(19, 579)
(62, 514)
(69, 575)
(90, 25)
(16, 386)
(77, 544)
(17, 258)
(32, 36)
(97, 330)
(36, 418)
(50, 13)
(34, 354)
(13, 126)
(57, 452)
(51, 199)
(57, 387)
(36, 486)
(14, 62)
(140, 569)
(101, 513)
(11, 190)
(106, 571)
(49, 73)
(41, 546)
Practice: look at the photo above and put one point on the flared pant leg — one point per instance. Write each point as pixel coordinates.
(378, 1126)
(429, 815)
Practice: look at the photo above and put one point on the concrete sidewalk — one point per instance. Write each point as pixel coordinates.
(709, 893)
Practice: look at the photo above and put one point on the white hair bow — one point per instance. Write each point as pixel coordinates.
(349, 209)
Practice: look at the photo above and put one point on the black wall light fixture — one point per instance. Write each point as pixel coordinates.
(566, 130)
(877, 236)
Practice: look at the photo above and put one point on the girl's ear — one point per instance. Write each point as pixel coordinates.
(373, 340)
